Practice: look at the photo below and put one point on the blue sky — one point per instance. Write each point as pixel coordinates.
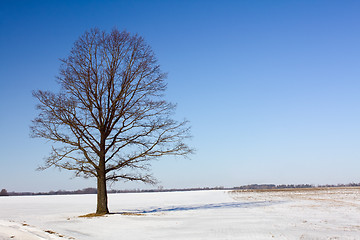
(271, 87)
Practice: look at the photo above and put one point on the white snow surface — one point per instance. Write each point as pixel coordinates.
(314, 214)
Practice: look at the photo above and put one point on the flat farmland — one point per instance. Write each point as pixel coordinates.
(322, 213)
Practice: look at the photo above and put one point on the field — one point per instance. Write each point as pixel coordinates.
(272, 214)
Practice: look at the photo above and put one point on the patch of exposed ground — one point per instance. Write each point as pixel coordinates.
(335, 196)
(91, 215)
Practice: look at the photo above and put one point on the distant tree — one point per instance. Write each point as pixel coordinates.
(109, 120)
(4, 193)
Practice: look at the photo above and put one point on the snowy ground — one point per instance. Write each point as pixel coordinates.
(321, 214)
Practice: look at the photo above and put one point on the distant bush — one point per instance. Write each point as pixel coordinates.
(4, 193)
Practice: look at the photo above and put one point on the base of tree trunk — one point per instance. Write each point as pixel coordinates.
(102, 212)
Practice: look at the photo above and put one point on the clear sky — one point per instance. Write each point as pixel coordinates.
(272, 88)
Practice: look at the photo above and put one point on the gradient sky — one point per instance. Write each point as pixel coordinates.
(271, 88)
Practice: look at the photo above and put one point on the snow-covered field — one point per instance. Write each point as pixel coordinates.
(321, 214)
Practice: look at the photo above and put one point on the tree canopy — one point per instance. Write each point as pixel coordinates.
(110, 118)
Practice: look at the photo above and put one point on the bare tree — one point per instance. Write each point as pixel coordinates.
(109, 120)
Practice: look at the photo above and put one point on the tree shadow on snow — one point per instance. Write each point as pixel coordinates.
(203, 207)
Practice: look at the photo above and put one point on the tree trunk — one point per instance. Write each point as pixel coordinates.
(102, 205)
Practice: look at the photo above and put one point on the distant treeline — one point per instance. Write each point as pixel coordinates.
(160, 189)
(94, 191)
(59, 192)
(273, 186)
(284, 186)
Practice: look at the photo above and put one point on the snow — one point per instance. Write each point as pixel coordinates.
(320, 214)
